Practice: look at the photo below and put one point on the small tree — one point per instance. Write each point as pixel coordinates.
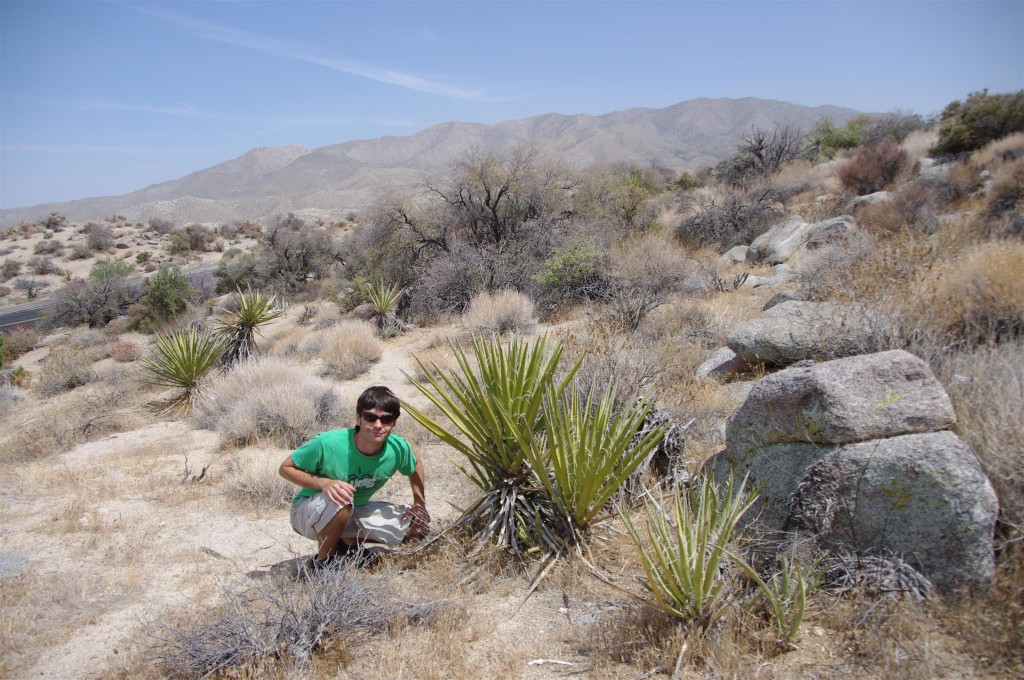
(31, 287)
(982, 118)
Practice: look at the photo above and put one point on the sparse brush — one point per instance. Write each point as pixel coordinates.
(686, 548)
(252, 476)
(505, 311)
(124, 352)
(182, 359)
(239, 327)
(276, 625)
(271, 399)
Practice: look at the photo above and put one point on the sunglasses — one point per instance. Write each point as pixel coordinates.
(385, 419)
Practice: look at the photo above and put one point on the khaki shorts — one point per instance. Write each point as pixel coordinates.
(376, 522)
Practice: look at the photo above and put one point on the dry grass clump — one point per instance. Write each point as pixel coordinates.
(987, 389)
(506, 311)
(252, 476)
(350, 348)
(272, 626)
(1001, 151)
(64, 369)
(1007, 192)
(973, 298)
(268, 398)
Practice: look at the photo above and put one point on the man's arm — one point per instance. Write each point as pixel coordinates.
(418, 511)
(337, 491)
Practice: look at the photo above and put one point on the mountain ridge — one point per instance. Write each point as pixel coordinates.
(335, 179)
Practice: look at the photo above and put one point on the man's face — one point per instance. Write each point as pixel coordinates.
(377, 424)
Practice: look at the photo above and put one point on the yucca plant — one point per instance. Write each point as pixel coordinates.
(181, 359)
(786, 594)
(491, 411)
(239, 328)
(588, 451)
(384, 300)
(685, 550)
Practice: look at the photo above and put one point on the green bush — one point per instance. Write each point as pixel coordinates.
(9, 269)
(164, 295)
(828, 139)
(109, 268)
(572, 273)
(982, 118)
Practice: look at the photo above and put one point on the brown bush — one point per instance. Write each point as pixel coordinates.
(911, 208)
(124, 352)
(350, 349)
(1007, 191)
(873, 168)
(19, 340)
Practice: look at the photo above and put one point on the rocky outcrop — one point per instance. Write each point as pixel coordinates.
(856, 454)
(796, 330)
(782, 241)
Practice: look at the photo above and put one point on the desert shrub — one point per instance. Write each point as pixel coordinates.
(572, 273)
(54, 221)
(108, 268)
(99, 237)
(642, 273)
(686, 182)
(960, 182)
(94, 301)
(19, 340)
(505, 311)
(9, 269)
(165, 294)
(143, 257)
(447, 284)
(1007, 192)
(49, 247)
(761, 152)
(606, 357)
(913, 207)
(975, 298)
(273, 627)
(873, 168)
(272, 399)
(88, 338)
(987, 389)
(728, 218)
(191, 238)
(160, 225)
(351, 348)
(252, 476)
(999, 152)
(64, 369)
(79, 251)
(124, 352)
(30, 287)
(42, 266)
(978, 120)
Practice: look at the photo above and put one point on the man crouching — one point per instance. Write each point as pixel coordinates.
(340, 470)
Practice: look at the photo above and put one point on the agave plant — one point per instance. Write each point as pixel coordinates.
(786, 593)
(685, 548)
(588, 451)
(491, 412)
(181, 359)
(239, 328)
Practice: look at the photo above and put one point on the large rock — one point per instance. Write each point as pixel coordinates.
(921, 496)
(722, 364)
(781, 241)
(797, 330)
(856, 454)
(843, 401)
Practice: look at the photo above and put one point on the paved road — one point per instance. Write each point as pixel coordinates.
(30, 313)
(27, 314)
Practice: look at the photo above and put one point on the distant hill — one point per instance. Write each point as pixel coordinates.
(332, 180)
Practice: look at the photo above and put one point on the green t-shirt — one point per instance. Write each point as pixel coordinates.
(334, 455)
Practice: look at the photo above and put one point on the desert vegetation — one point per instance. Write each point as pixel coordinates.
(549, 331)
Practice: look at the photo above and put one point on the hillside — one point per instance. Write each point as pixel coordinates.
(334, 180)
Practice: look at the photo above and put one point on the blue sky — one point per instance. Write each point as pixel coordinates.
(103, 98)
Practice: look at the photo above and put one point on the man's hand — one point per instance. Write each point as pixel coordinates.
(420, 523)
(338, 491)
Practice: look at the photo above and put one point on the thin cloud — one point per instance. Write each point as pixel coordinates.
(289, 50)
(185, 110)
